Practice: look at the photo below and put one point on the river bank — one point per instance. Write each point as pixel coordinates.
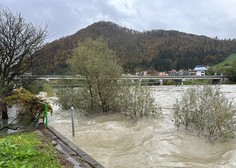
(30, 149)
(115, 142)
(65, 153)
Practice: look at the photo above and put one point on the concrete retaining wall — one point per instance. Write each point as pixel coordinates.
(85, 157)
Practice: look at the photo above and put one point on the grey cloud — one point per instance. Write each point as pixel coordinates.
(64, 17)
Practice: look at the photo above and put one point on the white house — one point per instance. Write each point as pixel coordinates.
(200, 70)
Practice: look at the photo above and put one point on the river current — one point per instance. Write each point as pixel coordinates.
(149, 143)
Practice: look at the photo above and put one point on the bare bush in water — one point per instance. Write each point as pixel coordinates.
(208, 112)
(131, 101)
(135, 102)
(68, 97)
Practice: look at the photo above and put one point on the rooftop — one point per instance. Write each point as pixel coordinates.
(200, 68)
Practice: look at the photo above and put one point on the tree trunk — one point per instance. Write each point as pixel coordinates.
(3, 108)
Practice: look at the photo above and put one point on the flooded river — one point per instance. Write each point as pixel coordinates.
(117, 143)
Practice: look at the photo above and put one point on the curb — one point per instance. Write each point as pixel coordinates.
(92, 162)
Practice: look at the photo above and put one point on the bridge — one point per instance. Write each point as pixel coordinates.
(177, 79)
(146, 79)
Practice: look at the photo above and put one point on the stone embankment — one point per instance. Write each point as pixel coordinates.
(71, 152)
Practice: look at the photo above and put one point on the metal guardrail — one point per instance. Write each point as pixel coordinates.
(146, 80)
(59, 77)
(44, 113)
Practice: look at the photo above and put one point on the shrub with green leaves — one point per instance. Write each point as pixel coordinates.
(31, 104)
(205, 110)
(68, 97)
(34, 87)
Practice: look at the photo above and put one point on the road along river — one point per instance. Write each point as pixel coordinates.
(117, 143)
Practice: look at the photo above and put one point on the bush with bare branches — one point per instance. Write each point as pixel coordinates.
(205, 110)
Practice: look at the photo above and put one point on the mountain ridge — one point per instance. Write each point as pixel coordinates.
(158, 49)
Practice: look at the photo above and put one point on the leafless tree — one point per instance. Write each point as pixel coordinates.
(19, 40)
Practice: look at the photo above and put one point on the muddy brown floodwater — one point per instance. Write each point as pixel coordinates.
(117, 143)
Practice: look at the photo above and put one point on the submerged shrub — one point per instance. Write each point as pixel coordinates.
(48, 89)
(131, 101)
(207, 111)
(102, 89)
(68, 97)
(135, 102)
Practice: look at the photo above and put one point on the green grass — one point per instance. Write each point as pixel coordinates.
(229, 60)
(27, 150)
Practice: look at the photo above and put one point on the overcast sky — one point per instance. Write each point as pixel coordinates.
(65, 17)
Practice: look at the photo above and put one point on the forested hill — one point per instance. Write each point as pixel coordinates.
(161, 50)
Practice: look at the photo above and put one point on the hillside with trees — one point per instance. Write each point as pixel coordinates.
(160, 50)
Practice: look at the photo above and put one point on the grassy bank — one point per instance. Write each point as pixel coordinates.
(28, 150)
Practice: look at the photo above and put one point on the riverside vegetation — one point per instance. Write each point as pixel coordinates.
(102, 90)
(207, 112)
(202, 109)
